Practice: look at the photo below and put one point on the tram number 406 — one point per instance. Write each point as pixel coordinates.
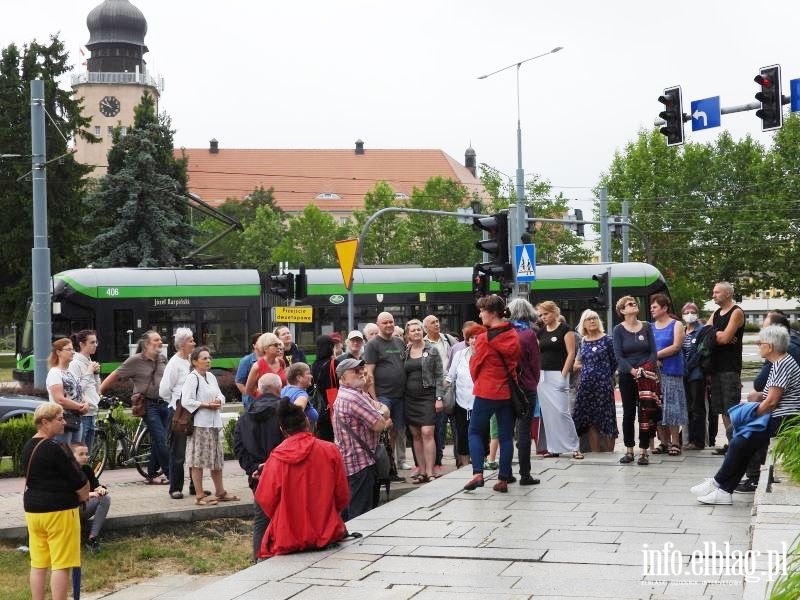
(112, 291)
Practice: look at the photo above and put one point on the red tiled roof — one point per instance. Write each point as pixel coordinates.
(299, 176)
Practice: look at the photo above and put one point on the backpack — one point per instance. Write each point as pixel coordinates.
(704, 346)
(183, 420)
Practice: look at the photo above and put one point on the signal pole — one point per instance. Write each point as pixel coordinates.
(40, 254)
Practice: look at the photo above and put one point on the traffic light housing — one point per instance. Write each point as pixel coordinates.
(580, 228)
(281, 284)
(480, 282)
(496, 246)
(771, 111)
(673, 115)
(301, 283)
(600, 301)
(530, 226)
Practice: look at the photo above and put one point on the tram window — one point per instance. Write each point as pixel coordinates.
(166, 322)
(224, 331)
(123, 321)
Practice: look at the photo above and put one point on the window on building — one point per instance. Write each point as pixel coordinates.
(328, 196)
(110, 130)
(97, 130)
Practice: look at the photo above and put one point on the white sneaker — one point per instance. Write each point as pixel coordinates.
(705, 487)
(718, 496)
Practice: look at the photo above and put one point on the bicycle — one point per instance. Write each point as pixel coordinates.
(112, 437)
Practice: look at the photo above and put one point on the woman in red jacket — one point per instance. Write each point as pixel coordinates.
(496, 355)
(302, 489)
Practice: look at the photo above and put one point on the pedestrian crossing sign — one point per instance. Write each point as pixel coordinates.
(525, 262)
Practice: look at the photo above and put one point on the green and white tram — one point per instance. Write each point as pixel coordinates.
(224, 307)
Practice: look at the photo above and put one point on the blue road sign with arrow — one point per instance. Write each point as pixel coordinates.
(794, 87)
(525, 262)
(706, 113)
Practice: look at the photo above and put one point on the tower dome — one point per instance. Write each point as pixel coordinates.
(116, 22)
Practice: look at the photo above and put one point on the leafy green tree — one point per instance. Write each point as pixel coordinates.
(555, 243)
(722, 210)
(234, 247)
(65, 178)
(382, 244)
(434, 240)
(310, 238)
(261, 236)
(140, 201)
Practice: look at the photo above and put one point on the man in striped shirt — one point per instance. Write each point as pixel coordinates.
(366, 418)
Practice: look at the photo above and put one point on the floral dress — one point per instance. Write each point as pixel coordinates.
(594, 401)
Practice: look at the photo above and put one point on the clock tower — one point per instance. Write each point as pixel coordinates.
(116, 76)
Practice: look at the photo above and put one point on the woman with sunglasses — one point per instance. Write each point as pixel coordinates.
(635, 351)
(271, 361)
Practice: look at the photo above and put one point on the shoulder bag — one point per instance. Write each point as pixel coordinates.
(138, 400)
(333, 391)
(522, 408)
(183, 420)
(383, 464)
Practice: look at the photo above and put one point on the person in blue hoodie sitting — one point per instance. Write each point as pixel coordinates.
(755, 424)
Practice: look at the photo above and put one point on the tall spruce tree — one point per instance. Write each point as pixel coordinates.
(140, 201)
(65, 177)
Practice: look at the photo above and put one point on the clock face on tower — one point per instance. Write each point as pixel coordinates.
(109, 106)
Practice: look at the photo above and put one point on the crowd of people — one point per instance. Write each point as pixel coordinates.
(324, 436)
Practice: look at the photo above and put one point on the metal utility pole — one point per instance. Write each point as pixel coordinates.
(40, 255)
(604, 241)
(626, 231)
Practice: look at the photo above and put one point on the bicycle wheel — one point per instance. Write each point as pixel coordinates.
(99, 456)
(141, 453)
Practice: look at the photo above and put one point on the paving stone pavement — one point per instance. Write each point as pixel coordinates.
(584, 532)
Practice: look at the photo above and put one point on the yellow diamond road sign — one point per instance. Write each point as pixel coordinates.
(346, 251)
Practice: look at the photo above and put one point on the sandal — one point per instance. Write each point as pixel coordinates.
(423, 478)
(577, 456)
(226, 497)
(674, 450)
(643, 460)
(628, 458)
(661, 449)
(157, 481)
(551, 455)
(206, 501)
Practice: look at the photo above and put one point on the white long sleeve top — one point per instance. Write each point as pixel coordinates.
(197, 390)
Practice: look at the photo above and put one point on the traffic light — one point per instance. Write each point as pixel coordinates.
(579, 227)
(282, 284)
(601, 300)
(301, 283)
(771, 111)
(530, 227)
(673, 115)
(480, 282)
(496, 246)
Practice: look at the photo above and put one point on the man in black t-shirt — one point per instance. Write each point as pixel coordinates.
(726, 359)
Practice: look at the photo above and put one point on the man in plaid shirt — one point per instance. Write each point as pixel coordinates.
(367, 418)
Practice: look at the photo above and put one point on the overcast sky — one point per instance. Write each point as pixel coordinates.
(322, 73)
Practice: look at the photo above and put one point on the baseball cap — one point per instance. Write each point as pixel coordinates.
(355, 334)
(347, 364)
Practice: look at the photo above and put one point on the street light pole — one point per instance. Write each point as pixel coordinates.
(516, 222)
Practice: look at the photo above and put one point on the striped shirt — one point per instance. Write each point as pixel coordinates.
(355, 408)
(785, 374)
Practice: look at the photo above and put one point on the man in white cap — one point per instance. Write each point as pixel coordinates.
(355, 346)
(357, 422)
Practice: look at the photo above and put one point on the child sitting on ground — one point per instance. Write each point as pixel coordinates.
(99, 501)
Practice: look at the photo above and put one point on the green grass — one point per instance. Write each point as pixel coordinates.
(214, 547)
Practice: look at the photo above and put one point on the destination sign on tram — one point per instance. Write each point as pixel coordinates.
(293, 314)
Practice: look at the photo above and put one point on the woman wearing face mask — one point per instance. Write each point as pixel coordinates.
(694, 382)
